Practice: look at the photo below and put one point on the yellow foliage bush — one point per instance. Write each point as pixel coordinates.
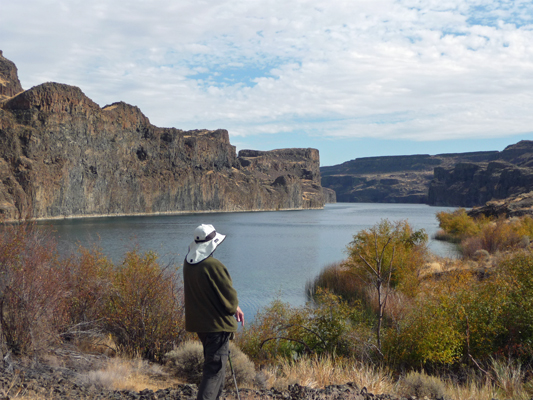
(144, 311)
(458, 225)
(399, 249)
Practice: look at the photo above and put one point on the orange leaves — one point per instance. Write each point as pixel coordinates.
(44, 298)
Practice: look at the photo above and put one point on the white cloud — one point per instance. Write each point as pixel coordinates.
(413, 69)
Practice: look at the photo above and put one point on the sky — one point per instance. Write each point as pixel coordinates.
(352, 78)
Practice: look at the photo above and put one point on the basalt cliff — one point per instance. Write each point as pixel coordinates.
(457, 179)
(504, 174)
(62, 155)
(390, 179)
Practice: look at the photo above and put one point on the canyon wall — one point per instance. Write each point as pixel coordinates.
(390, 179)
(61, 155)
(505, 174)
(456, 179)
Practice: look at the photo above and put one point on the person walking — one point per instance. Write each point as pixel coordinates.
(211, 307)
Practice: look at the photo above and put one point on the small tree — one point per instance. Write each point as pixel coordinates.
(387, 256)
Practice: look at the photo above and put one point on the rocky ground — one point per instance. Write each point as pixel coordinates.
(514, 206)
(42, 379)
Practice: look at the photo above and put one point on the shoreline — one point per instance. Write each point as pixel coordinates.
(141, 214)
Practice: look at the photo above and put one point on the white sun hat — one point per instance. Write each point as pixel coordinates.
(206, 240)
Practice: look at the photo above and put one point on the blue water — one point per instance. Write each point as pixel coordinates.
(270, 255)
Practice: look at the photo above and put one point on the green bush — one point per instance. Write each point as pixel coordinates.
(187, 360)
(326, 326)
(453, 319)
(517, 272)
(420, 385)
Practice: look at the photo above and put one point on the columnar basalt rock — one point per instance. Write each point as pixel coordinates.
(61, 155)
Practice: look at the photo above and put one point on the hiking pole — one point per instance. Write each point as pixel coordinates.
(233, 373)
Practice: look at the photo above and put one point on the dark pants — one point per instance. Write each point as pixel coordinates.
(216, 350)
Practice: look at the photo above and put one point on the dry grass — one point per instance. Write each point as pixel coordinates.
(125, 374)
(472, 390)
(318, 373)
(507, 380)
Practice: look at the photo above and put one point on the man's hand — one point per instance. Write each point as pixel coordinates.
(240, 316)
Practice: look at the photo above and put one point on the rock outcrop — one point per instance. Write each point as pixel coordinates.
(61, 155)
(513, 206)
(9, 81)
(504, 174)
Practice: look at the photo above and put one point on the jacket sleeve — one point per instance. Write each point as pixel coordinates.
(222, 286)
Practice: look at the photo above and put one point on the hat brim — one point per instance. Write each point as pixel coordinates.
(200, 251)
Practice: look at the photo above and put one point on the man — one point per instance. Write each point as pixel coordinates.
(210, 307)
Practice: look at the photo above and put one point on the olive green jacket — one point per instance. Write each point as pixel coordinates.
(210, 299)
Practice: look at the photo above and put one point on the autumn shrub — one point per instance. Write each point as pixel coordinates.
(144, 311)
(458, 224)
(33, 309)
(338, 279)
(392, 246)
(498, 236)
(88, 279)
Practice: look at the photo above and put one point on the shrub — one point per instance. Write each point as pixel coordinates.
(420, 385)
(329, 325)
(509, 378)
(453, 319)
(396, 247)
(33, 309)
(187, 361)
(385, 257)
(498, 236)
(88, 279)
(45, 299)
(338, 279)
(144, 312)
(458, 225)
(517, 272)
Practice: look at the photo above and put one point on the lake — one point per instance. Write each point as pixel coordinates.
(270, 255)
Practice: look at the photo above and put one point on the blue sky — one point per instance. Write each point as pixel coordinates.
(352, 78)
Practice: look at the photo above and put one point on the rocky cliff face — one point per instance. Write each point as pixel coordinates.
(62, 155)
(392, 179)
(461, 179)
(505, 174)
(9, 81)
